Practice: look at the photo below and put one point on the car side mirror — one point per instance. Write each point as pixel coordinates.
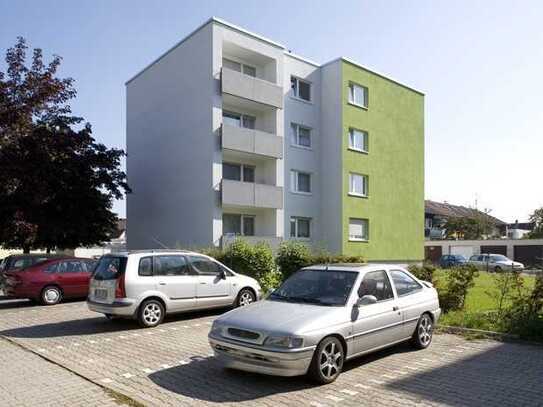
(222, 275)
(366, 300)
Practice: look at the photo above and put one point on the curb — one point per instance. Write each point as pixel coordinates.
(498, 336)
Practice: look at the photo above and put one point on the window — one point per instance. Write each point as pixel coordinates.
(358, 185)
(109, 268)
(358, 140)
(238, 172)
(170, 266)
(239, 67)
(300, 227)
(204, 266)
(300, 182)
(145, 268)
(301, 136)
(358, 95)
(404, 284)
(300, 89)
(358, 229)
(233, 224)
(376, 283)
(238, 120)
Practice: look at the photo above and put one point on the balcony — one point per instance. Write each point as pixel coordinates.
(272, 241)
(252, 195)
(252, 141)
(247, 87)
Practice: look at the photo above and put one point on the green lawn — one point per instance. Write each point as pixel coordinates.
(478, 302)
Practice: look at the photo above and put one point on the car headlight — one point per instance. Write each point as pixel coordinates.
(216, 329)
(289, 342)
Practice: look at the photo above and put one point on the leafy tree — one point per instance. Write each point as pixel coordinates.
(57, 184)
(537, 219)
(468, 228)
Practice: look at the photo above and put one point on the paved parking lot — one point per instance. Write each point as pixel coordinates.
(172, 365)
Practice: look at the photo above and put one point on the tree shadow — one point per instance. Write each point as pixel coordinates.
(507, 373)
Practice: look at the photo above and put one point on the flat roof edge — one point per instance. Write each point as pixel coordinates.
(210, 20)
(387, 77)
(301, 58)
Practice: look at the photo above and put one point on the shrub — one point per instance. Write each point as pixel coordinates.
(424, 273)
(458, 282)
(292, 256)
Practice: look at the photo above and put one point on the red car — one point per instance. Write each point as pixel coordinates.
(50, 281)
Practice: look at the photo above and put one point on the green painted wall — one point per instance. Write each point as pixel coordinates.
(394, 121)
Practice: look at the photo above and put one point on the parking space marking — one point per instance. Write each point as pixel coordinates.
(334, 398)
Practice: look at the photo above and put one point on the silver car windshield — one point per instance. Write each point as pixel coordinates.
(320, 287)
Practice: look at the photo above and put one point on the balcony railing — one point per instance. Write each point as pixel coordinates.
(252, 141)
(249, 194)
(247, 87)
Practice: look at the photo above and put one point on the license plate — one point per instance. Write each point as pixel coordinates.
(100, 294)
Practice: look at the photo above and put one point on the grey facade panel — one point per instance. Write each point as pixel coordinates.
(247, 194)
(244, 86)
(252, 141)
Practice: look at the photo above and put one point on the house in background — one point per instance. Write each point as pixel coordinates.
(229, 134)
(437, 213)
(517, 230)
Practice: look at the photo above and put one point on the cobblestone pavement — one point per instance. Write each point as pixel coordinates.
(172, 365)
(28, 380)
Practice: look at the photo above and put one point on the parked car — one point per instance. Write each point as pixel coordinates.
(147, 285)
(452, 260)
(495, 263)
(322, 316)
(49, 281)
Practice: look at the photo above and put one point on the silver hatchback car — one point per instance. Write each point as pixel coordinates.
(323, 315)
(146, 285)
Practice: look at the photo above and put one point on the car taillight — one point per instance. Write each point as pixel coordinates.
(120, 291)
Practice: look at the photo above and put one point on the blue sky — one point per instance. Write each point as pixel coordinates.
(480, 64)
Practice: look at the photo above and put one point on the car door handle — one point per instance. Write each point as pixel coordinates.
(162, 283)
(395, 308)
(203, 283)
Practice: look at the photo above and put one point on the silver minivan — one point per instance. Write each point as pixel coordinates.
(147, 285)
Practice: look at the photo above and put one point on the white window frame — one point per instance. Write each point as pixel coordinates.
(296, 89)
(295, 133)
(352, 192)
(242, 66)
(296, 219)
(242, 117)
(242, 172)
(365, 228)
(365, 140)
(294, 182)
(242, 219)
(352, 88)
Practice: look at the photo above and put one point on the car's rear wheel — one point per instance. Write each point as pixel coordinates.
(498, 269)
(245, 297)
(327, 361)
(422, 337)
(51, 295)
(151, 313)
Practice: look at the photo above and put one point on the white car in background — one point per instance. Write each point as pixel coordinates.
(147, 285)
(495, 263)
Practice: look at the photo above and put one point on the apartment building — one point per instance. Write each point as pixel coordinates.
(230, 135)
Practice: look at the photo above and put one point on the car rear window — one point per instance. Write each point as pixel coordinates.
(109, 268)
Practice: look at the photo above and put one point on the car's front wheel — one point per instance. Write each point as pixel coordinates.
(498, 269)
(51, 295)
(245, 297)
(151, 313)
(327, 361)
(422, 337)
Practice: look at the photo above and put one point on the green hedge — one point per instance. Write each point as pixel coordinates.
(258, 261)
